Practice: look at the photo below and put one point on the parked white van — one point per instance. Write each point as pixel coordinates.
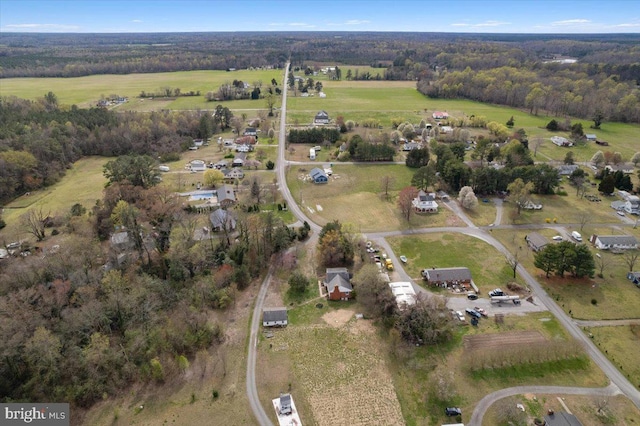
(576, 236)
(312, 154)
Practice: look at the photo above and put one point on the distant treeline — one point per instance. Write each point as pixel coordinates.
(39, 140)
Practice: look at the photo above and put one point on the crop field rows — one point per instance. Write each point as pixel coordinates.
(497, 340)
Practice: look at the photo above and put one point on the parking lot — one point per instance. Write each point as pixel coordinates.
(508, 308)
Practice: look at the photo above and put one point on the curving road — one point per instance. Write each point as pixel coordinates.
(487, 401)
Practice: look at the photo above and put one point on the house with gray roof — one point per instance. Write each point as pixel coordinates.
(440, 276)
(318, 175)
(561, 419)
(567, 169)
(338, 284)
(274, 317)
(614, 242)
(226, 195)
(233, 174)
(321, 118)
(221, 220)
(634, 277)
(536, 241)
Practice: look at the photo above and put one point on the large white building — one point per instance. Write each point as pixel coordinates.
(404, 293)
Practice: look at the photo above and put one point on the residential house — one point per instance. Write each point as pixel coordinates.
(321, 118)
(632, 205)
(318, 175)
(561, 419)
(222, 220)
(274, 317)
(239, 159)
(439, 115)
(624, 168)
(591, 137)
(246, 140)
(536, 241)
(121, 241)
(251, 131)
(425, 203)
(567, 169)
(285, 404)
(197, 165)
(446, 129)
(410, 146)
(447, 276)
(560, 141)
(226, 196)
(614, 242)
(222, 164)
(634, 277)
(230, 175)
(338, 284)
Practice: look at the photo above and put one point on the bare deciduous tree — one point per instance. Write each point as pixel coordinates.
(33, 221)
(385, 183)
(630, 258)
(602, 263)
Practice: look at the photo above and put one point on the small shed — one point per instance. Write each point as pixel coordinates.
(274, 317)
(318, 175)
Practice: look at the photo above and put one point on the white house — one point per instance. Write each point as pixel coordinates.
(632, 205)
(425, 203)
(197, 165)
(560, 141)
(615, 242)
(274, 317)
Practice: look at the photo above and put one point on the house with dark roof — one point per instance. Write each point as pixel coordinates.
(425, 203)
(337, 282)
(634, 277)
(567, 169)
(536, 241)
(318, 175)
(226, 196)
(614, 242)
(250, 131)
(274, 317)
(447, 276)
(321, 118)
(561, 419)
(221, 220)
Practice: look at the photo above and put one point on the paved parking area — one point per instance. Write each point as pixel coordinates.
(508, 308)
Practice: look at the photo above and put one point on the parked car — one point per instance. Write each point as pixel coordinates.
(473, 313)
(460, 315)
(496, 292)
(480, 311)
(472, 296)
(620, 213)
(557, 238)
(452, 411)
(403, 259)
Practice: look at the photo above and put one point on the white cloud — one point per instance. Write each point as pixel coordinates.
(137, 20)
(58, 27)
(481, 24)
(357, 22)
(571, 22)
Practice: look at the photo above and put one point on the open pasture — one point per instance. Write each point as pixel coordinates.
(617, 343)
(354, 195)
(86, 91)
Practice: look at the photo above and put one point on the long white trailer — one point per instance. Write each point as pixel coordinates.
(498, 299)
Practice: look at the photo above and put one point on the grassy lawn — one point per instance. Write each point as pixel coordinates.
(488, 267)
(618, 343)
(615, 296)
(83, 183)
(564, 209)
(413, 370)
(484, 214)
(354, 190)
(86, 91)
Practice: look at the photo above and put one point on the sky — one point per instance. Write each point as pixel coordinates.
(468, 16)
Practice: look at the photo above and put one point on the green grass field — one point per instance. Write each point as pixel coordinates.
(86, 91)
(617, 343)
(488, 267)
(616, 296)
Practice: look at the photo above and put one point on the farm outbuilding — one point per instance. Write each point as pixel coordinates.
(318, 175)
(274, 317)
